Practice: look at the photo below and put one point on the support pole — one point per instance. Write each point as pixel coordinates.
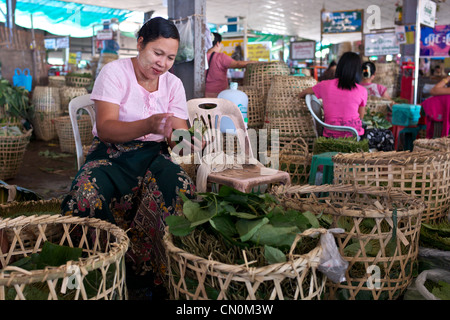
(417, 50)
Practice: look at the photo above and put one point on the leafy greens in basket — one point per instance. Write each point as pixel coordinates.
(244, 220)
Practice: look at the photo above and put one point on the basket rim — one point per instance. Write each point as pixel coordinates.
(17, 275)
(391, 157)
(27, 134)
(415, 206)
(243, 270)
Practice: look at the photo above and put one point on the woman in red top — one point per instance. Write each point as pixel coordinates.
(218, 65)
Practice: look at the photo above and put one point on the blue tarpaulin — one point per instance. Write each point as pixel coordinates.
(60, 16)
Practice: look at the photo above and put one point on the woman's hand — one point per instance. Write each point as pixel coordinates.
(161, 123)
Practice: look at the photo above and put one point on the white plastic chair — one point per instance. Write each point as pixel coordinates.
(253, 173)
(315, 107)
(77, 103)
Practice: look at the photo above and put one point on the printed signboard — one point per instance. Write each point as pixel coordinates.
(303, 50)
(342, 21)
(381, 44)
(435, 42)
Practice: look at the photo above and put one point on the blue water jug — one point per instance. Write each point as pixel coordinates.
(22, 79)
(240, 99)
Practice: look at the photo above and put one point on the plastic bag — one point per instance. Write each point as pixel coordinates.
(437, 259)
(331, 262)
(434, 275)
(186, 51)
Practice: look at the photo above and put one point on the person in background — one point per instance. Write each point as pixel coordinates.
(373, 89)
(344, 100)
(129, 178)
(441, 88)
(329, 72)
(218, 65)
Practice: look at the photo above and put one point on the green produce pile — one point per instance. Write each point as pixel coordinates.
(53, 255)
(243, 221)
(15, 101)
(435, 235)
(344, 145)
(440, 289)
(376, 120)
(10, 131)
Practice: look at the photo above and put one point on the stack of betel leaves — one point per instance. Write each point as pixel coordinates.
(233, 221)
(435, 235)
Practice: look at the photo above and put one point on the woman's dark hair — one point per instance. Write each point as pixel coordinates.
(348, 71)
(217, 38)
(156, 28)
(368, 69)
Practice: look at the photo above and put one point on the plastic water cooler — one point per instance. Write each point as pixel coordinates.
(240, 99)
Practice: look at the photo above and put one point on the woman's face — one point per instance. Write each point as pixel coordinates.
(156, 57)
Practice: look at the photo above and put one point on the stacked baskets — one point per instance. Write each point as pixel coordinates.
(387, 74)
(255, 110)
(288, 113)
(375, 105)
(425, 175)
(67, 93)
(380, 239)
(47, 104)
(439, 144)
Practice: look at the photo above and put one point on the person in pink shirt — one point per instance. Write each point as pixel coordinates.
(129, 178)
(373, 89)
(344, 100)
(218, 65)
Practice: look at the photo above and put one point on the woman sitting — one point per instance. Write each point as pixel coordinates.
(373, 89)
(344, 100)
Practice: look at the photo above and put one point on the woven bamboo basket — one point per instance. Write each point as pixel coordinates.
(375, 105)
(425, 175)
(288, 113)
(79, 82)
(438, 144)
(260, 75)
(299, 275)
(65, 132)
(105, 58)
(47, 104)
(68, 93)
(255, 110)
(56, 81)
(296, 159)
(99, 274)
(12, 150)
(381, 238)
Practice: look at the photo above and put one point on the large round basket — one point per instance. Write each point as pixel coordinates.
(68, 93)
(375, 105)
(439, 144)
(255, 111)
(260, 75)
(65, 132)
(296, 160)
(425, 175)
(79, 82)
(381, 238)
(12, 150)
(56, 81)
(47, 104)
(232, 281)
(98, 274)
(287, 113)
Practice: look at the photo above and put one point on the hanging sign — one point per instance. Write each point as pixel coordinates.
(428, 13)
(106, 34)
(435, 42)
(302, 50)
(381, 44)
(342, 21)
(259, 51)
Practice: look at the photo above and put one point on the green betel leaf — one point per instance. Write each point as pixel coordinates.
(195, 214)
(247, 228)
(244, 215)
(288, 218)
(273, 236)
(312, 219)
(56, 255)
(179, 226)
(224, 225)
(274, 255)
